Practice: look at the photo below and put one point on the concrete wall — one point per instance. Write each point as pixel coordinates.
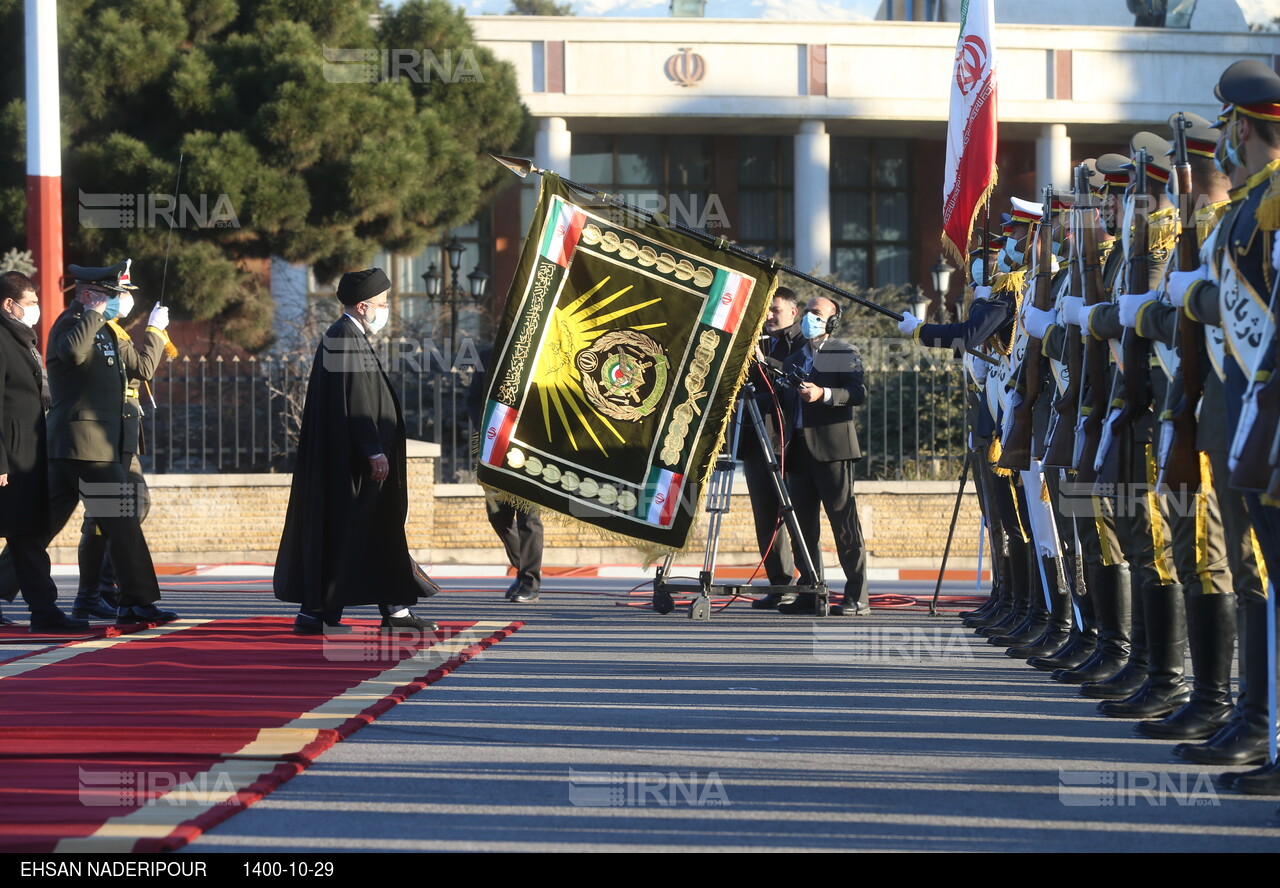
(207, 519)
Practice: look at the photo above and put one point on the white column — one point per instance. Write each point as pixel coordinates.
(813, 198)
(552, 150)
(1053, 159)
(553, 146)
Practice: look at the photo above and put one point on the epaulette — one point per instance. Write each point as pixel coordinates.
(1207, 219)
(1162, 230)
(1268, 214)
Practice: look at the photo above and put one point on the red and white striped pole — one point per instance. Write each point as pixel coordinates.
(44, 160)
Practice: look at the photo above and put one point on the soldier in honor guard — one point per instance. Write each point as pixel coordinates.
(1238, 297)
(989, 315)
(89, 422)
(1204, 515)
(96, 596)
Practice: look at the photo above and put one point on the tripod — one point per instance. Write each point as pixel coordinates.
(719, 495)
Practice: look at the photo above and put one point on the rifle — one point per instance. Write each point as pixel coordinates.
(1062, 440)
(1180, 467)
(1017, 449)
(1096, 361)
(1128, 395)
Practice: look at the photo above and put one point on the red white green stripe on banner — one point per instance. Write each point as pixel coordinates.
(970, 171)
(564, 227)
(729, 294)
(663, 488)
(499, 421)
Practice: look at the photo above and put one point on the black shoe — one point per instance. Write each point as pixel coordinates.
(849, 610)
(306, 624)
(1079, 649)
(803, 606)
(1236, 745)
(1149, 702)
(92, 606)
(143, 613)
(1260, 781)
(5, 621)
(525, 596)
(1123, 684)
(57, 622)
(1196, 720)
(410, 621)
(1052, 640)
(773, 599)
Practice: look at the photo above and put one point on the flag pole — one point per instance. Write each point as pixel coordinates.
(522, 166)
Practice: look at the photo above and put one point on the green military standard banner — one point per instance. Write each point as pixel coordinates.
(615, 368)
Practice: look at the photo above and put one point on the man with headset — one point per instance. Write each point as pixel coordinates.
(822, 453)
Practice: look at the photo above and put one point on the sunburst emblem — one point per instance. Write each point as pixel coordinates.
(574, 330)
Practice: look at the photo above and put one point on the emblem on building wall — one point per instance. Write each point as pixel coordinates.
(686, 67)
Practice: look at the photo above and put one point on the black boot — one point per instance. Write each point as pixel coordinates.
(1264, 780)
(1109, 586)
(1019, 594)
(89, 602)
(1058, 628)
(1129, 679)
(1246, 740)
(1165, 689)
(1079, 647)
(998, 597)
(1211, 630)
(1037, 616)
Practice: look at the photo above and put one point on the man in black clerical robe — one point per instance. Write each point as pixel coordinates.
(344, 541)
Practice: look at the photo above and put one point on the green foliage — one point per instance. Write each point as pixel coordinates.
(539, 7)
(313, 169)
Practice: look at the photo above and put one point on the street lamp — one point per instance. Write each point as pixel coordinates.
(918, 304)
(941, 274)
(450, 290)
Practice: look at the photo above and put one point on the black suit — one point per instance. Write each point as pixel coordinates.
(779, 565)
(24, 459)
(820, 460)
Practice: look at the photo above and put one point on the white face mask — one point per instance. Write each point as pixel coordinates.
(126, 305)
(379, 320)
(30, 315)
(975, 271)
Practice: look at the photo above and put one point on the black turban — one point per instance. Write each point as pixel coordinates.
(361, 286)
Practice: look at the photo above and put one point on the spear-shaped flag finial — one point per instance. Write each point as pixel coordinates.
(521, 166)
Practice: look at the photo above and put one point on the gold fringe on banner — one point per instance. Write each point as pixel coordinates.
(1044, 492)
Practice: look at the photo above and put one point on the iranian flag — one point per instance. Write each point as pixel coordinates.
(664, 488)
(499, 421)
(729, 294)
(971, 132)
(564, 227)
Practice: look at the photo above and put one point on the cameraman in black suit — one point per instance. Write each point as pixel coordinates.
(823, 450)
(782, 339)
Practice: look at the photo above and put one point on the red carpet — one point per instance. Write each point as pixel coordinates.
(141, 742)
(20, 633)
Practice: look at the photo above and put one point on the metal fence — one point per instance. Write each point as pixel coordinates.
(232, 415)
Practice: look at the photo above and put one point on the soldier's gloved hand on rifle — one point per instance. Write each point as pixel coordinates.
(159, 317)
(1071, 306)
(1082, 313)
(1037, 322)
(1180, 281)
(908, 324)
(981, 293)
(1131, 304)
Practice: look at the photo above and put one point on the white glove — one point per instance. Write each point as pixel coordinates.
(1275, 251)
(1037, 322)
(908, 323)
(1180, 282)
(981, 369)
(981, 293)
(1071, 307)
(159, 317)
(1131, 304)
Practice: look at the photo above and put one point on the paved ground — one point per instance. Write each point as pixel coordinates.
(598, 727)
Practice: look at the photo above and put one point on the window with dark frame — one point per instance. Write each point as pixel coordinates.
(871, 210)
